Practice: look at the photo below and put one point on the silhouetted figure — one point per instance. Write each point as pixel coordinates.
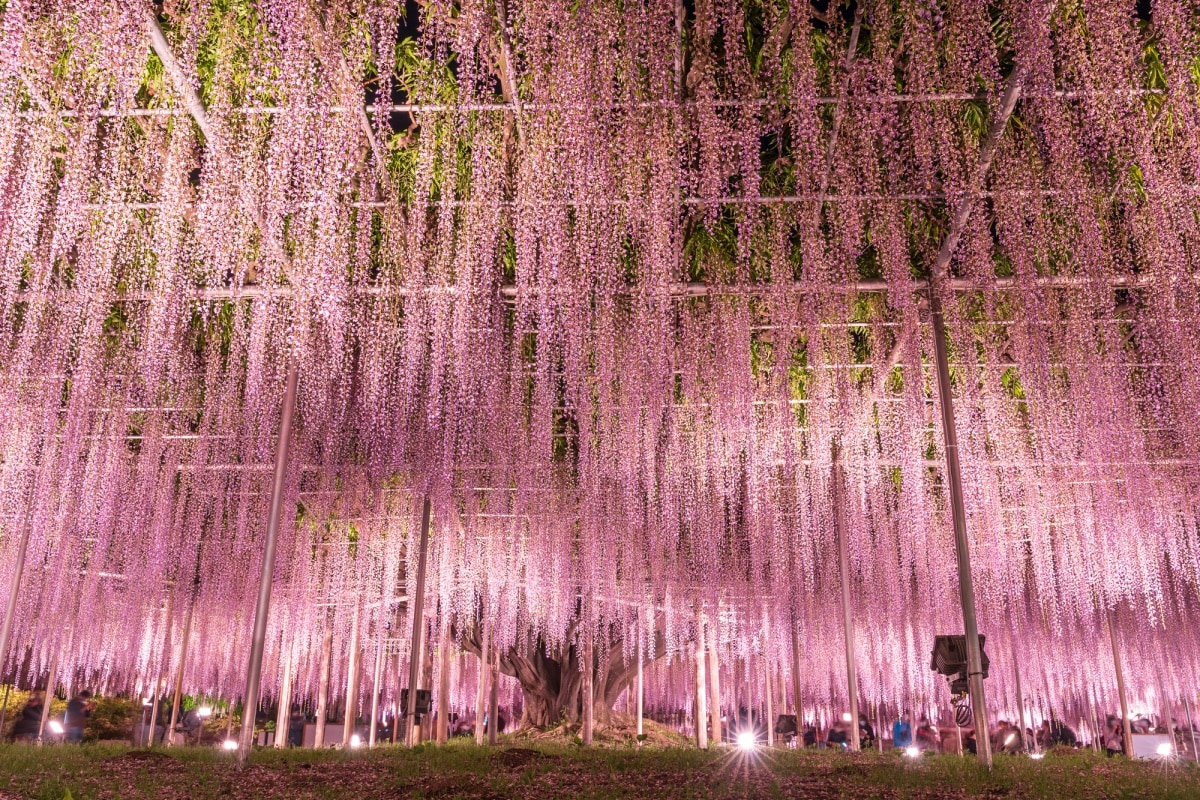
(27, 726)
(79, 708)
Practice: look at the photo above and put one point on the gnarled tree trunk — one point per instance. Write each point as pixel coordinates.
(552, 683)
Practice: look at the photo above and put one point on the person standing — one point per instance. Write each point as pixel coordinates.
(902, 732)
(26, 729)
(79, 708)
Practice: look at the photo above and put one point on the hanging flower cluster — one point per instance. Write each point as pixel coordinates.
(636, 294)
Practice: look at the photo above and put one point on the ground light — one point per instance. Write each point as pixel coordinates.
(229, 744)
(356, 741)
(56, 726)
(746, 740)
(204, 712)
(912, 752)
(1164, 749)
(1037, 756)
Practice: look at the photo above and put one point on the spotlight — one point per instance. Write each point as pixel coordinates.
(204, 712)
(229, 744)
(846, 717)
(912, 752)
(1164, 749)
(1037, 756)
(1012, 737)
(745, 740)
(56, 727)
(356, 741)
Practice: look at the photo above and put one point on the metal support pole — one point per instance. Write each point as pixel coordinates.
(267, 573)
(494, 698)
(323, 682)
(640, 684)
(962, 547)
(11, 613)
(714, 679)
(1126, 724)
(163, 666)
(353, 669)
(770, 700)
(701, 710)
(797, 692)
(417, 599)
(282, 715)
(443, 718)
(376, 680)
(1187, 709)
(1020, 698)
(481, 687)
(183, 646)
(847, 608)
(589, 690)
(51, 685)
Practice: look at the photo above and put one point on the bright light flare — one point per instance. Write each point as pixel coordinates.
(229, 744)
(1164, 749)
(204, 711)
(356, 741)
(56, 727)
(1037, 756)
(912, 752)
(746, 740)
(846, 717)
(1012, 737)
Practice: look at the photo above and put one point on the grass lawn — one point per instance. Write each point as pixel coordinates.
(555, 771)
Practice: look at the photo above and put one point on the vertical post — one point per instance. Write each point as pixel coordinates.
(714, 677)
(163, 666)
(640, 685)
(701, 709)
(267, 573)
(443, 720)
(1187, 709)
(481, 687)
(962, 547)
(376, 680)
(1025, 745)
(494, 698)
(835, 476)
(323, 681)
(183, 646)
(282, 714)
(10, 613)
(589, 689)
(796, 684)
(769, 678)
(1126, 725)
(51, 686)
(353, 669)
(417, 599)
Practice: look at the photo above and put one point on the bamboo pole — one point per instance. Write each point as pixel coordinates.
(769, 681)
(1020, 698)
(267, 572)
(10, 613)
(417, 601)
(1187, 709)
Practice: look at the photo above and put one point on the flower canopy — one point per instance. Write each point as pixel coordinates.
(636, 292)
